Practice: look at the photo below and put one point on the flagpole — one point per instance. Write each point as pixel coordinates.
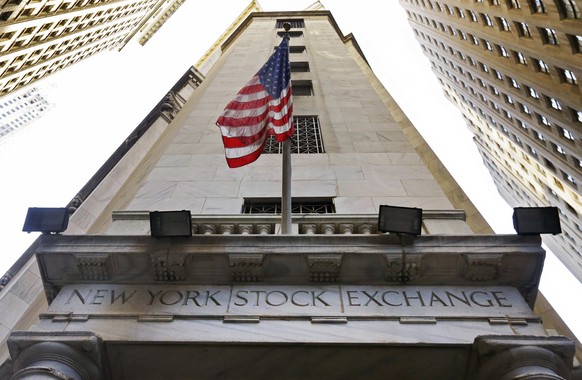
(286, 223)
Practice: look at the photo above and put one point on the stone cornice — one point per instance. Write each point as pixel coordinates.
(496, 260)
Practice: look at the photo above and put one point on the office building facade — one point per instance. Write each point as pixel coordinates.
(513, 70)
(20, 109)
(232, 297)
(38, 38)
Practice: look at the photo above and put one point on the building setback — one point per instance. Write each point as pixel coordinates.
(513, 69)
(336, 298)
(38, 38)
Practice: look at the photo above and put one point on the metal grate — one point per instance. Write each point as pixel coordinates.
(306, 138)
(295, 23)
(298, 206)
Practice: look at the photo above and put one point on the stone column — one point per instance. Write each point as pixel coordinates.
(521, 357)
(56, 355)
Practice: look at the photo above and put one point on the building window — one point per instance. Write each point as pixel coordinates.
(538, 6)
(558, 149)
(503, 24)
(302, 88)
(488, 45)
(498, 74)
(514, 83)
(306, 137)
(524, 109)
(472, 15)
(575, 42)
(299, 67)
(292, 34)
(533, 93)
(569, 178)
(514, 4)
(567, 134)
(298, 206)
(520, 58)
(554, 103)
(541, 66)
(544, 120)
(523, 29)
(549, 36)
(295, 23)
(297, 49)
(568, 76)
(569, 8)
(502, 51)
(486, 19)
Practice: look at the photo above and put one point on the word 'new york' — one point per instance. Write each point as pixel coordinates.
(167, 298)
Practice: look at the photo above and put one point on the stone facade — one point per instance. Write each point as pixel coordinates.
(237, 299)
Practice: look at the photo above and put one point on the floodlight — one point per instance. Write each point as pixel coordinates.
(46, 220)
(403, 220)
(170, 223)
(536, 220)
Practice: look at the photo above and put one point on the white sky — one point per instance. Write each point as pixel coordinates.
(102, 99)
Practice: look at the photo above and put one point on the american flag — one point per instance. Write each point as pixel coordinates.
(263, 107)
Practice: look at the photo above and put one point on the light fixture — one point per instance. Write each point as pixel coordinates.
(46, 220)
(401, 220)
(536, 220)
(170, 223)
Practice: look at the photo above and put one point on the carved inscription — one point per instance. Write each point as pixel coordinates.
(290, 301)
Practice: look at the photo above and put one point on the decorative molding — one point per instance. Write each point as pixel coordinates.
(246, 267)
(168, 270)
(482, 267)
(397, 272)
(94, 267)
(324, 268)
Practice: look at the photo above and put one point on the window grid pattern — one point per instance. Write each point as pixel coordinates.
(306, 138)
(527, 95)
(305, 207)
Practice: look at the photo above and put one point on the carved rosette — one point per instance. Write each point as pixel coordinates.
(481, 267)
(396, 272)
(94, 267)
(168, 269)
(246, 267)
(324, 268)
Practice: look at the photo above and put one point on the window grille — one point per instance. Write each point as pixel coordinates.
(306, 138)
(298, 206)
(295, 23)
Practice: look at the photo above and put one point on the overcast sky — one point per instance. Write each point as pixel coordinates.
(101, 100)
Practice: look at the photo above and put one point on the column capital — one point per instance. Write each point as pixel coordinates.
(521, 357)
(56, 355)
